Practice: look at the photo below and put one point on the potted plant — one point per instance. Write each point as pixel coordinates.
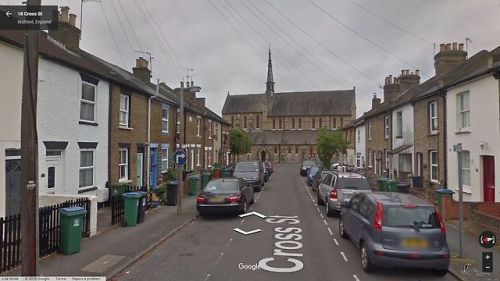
(160, 192)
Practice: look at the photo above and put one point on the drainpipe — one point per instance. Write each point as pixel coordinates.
(148, 153)
(445, 141)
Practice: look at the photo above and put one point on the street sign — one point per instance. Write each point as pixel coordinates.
(179, 157)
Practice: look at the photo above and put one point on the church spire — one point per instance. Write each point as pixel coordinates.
(270, 82)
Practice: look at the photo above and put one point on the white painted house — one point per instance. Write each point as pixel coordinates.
(473, 119)
(359, 127)
(401, 155)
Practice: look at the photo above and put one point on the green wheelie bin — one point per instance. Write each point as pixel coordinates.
(205, 178)
(392, 186)
(131, 207)
(71, 229)
(439, 193)
(193, 185)
(382, 184)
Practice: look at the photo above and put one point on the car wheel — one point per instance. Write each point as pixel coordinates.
(318, 199)
(244, 207)
(329, 211)
(342, 232)
(440, 272)
(366, 264)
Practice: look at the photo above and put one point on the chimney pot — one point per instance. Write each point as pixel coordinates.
(390, 79)
(448, 47)
(407, 72)
(455, 46)
(72, 19)
(417, 72)
(64, 16)
(461, 46)
(442, 47)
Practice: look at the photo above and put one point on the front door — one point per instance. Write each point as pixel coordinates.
(489, 178)
(13, 187)
(140, 169)
(53, 174)
(153, 168)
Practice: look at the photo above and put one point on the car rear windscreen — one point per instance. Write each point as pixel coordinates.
(419, 217)
(221, 187)
(354, 183)
(247, 167)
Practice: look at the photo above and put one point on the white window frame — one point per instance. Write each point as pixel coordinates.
(434, 178)
(399, 124)
(164, 120)
(126, 111)
(462, 112)
(433, 117)
(465, 169)
(359, 135)
(386, 127)
(198, 152)
(93, 103)
(369, 129)
(120, 165)
(87, 168)
(164, 159)
(178, 127)
(198, 126)
(210, 124)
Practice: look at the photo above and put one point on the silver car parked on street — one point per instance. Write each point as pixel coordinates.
(336, 188)
(396, 230)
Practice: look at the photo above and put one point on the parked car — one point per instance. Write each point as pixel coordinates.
(318, 178)
(340, 187)
(267, 173)
(305, 166)
(225, 195)
(396, 230)
(311, 173)
(252, 172)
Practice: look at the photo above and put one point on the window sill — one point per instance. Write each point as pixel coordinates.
(90, 123)
(462, 132)
(86, 189)
(433, 134)
(434, 181)
(125, 181)
(164, 133)
(399, 137)
(125, 128)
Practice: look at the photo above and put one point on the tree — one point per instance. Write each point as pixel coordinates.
(239, 141)
(330, 143)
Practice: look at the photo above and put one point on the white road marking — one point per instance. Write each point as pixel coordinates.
(343, 255)
(336, 242)
(355, 277)
(325, 222)
(330, 230)
(208, 276)
(242, 221)
(228, 242)
(321, 215)
(315, 205)
(318, 209)
(220, 256)
(253, 213)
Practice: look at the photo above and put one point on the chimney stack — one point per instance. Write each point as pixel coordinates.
(200, 101)
(67, 33)
(391, 88)
(375, 101)
(408, 79)
(141, 70)
(449, 56)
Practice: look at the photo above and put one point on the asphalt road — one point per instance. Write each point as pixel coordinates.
(296, 241)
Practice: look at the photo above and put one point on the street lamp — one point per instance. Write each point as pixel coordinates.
(182, 141)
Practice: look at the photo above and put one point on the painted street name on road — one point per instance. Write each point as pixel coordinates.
(287, 245)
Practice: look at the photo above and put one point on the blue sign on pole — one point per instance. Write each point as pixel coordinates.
(180, 157)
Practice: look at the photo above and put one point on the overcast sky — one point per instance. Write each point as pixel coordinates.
(316, 44)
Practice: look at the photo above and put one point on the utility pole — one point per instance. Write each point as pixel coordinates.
(29, 153)
(458, 148)
(181, 146)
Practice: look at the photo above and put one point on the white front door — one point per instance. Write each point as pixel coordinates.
(54, 174)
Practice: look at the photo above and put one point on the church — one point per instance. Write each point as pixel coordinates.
(283, 126)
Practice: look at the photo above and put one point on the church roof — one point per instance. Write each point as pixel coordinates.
(294, 103)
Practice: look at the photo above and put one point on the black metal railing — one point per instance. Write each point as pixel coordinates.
(48, 231)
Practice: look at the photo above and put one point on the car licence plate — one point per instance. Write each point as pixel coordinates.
(414, 243)
(217, 199)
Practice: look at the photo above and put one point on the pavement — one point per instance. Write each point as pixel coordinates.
(469, 267)
(110, 251)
